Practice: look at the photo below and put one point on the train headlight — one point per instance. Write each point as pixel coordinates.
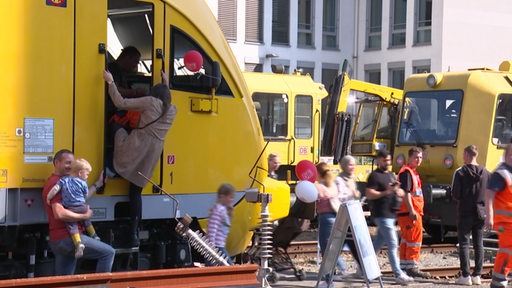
(434, 79)
(448, 161)
(400, 160)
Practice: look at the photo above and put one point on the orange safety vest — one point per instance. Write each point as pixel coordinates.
(503, 199)
(416, 192)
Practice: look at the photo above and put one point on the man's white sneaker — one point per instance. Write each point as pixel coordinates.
(404, 279)
(476, 280)
(79, 250)
(464, 281)
(324, 284)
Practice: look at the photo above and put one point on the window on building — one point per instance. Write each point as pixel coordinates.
(421, 66)
(328, 76)
(227, 18)
(396, 78)
(305, 24)
(281, 22)
(421, 69)
(398, 21)
(307, 70)
(330, 25)
(374, 24)
(423, 27)
(254, 21)
(373, 76)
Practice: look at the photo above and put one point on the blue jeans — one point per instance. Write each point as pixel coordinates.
(325, 225)
(65, 261)
(386, 234)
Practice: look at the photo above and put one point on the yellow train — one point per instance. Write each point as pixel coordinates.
(445, 112)
(302, 121)
(289, 108)
(54, 97)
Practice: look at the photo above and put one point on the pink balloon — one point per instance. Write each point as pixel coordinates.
(193, 61)
(306, 170)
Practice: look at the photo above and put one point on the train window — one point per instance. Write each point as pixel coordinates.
(303, 116)
(437, 122)
(502, 131)
(385, 128)
(200, 81)
(130, 23)
(368, 113)
(272, 109)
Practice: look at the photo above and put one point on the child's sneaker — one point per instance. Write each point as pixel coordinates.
(79, 250)
(476, 280)
(464, 281)
(404, 279)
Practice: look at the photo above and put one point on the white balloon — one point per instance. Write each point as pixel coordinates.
(306, 191)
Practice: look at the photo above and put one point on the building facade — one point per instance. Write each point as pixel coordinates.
(384, 41)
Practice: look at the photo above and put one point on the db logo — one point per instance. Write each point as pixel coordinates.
(303, 150)
(170, 159)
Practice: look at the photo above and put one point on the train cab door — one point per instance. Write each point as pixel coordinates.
(304, 122)
(88, 87)
(138, 24)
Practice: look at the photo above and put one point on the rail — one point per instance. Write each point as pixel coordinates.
(236, 275)
(310, 248)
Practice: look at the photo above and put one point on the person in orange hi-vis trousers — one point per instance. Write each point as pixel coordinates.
(410, 214)
(498, 204)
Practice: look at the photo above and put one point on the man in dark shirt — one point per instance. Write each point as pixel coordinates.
(382, 190)
(468, 189)
(126, 63)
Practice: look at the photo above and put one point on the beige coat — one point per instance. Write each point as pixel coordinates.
(141, 149)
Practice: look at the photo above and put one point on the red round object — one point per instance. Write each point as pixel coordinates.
(306, 170)
(193, 61)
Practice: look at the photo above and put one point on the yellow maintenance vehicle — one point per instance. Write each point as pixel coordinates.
(289, 108)
(373, 108)
(54, 98)
(290, 111)
(445, 112)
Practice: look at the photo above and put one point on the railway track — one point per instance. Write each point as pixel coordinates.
(446, 272)
(222, 276)
(310, 248)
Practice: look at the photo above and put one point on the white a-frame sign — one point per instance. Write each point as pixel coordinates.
(351, 214)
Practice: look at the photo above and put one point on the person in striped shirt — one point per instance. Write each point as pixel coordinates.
(219, 220)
